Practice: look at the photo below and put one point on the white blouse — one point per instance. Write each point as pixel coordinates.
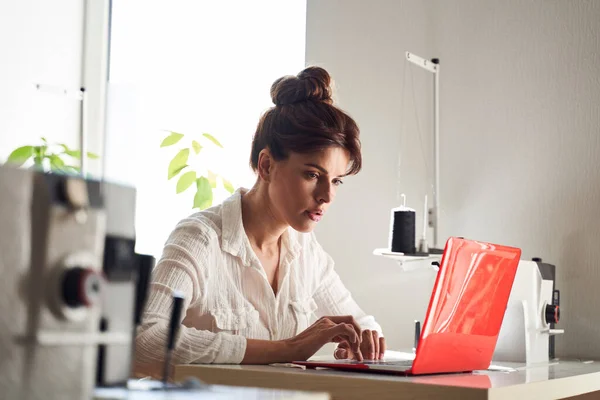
(209, 259)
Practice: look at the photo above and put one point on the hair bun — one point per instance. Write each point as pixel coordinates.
(312, 84)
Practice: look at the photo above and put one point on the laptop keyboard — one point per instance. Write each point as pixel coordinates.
(400, 363)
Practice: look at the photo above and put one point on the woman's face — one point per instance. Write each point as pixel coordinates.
(303, 186)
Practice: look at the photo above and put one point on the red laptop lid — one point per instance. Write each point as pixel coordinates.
(467, 307)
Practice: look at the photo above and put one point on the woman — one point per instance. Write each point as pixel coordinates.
(251, 269)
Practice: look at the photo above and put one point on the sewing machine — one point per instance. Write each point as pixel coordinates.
(72, 293)
(68, 284)
(528, 328)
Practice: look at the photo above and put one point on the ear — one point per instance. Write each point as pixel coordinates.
(265, 165)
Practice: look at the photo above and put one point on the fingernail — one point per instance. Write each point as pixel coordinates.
(381, 356)
(371, 356)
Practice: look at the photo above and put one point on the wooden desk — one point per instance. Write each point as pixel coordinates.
(554, 381)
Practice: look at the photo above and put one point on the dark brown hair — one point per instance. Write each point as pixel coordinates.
(304, 120)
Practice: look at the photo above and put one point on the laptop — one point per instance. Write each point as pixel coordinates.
(464, 316)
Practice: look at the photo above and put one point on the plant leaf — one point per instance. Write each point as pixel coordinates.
(197, 146)
(72, 153)
(77, 153)
(204, 195)
(228, 186)
(185, 181)
(212, 139)
(44, 140)
(56, 161)
(170, 140)
(212, 178)
(20, 156)
(178, 162)
(71, 169)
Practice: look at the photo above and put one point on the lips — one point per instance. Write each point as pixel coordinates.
(315, 215)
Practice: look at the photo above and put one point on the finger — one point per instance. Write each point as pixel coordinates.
(381, 348)
(349, 354)
(367, 346)
(375, 335)
(345, 331)
(346, 319)
(340, 353)
(344, 342)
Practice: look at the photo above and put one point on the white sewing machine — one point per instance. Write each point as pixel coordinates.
(533, 310)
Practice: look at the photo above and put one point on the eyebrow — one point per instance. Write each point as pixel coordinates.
(323, 170)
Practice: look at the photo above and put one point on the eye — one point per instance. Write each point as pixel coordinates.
(312, 175)
(338, 182)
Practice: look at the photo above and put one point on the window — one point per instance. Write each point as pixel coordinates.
(191, 66)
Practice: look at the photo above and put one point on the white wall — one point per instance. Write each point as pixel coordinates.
(520, 145)
(40, 42)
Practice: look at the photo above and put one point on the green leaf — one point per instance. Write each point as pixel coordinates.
(76, 169)
(71, 169)
(170, 140)
(68, 151)
(56, 162)
(228, 186)
(20, 156)
(212, 139)
(77, 153)
(197, 146)
(212, 178)
(178, 162)
(204, 195)
(185, 181)
(44, 140)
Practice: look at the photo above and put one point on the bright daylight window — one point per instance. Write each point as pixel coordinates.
(192, 67)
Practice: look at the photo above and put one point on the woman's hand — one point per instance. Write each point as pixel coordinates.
(372, 347)
(338, 329)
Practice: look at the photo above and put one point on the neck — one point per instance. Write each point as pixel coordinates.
(262, 227)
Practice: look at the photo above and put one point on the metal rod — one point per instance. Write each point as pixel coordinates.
(433, 66)
(82, 135)
(436, 153)
(82, 112)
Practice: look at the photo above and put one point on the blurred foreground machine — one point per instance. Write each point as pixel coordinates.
(72, 291)
(68, 287)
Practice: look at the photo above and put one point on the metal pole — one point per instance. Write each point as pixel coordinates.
(82, 116)
(433, 66)
(436, 151)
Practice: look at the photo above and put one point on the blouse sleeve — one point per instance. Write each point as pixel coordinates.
(180, 269)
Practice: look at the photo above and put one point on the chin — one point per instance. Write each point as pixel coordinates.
(304, 227)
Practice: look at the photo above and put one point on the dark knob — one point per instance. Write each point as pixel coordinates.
(536, 259)
(552, 314)
(81, 287)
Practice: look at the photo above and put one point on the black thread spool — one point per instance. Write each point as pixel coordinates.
(403, 230)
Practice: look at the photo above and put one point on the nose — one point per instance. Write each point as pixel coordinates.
(326, 193)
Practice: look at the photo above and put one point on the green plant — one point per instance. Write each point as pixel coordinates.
(54, 157)
(179, 166)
